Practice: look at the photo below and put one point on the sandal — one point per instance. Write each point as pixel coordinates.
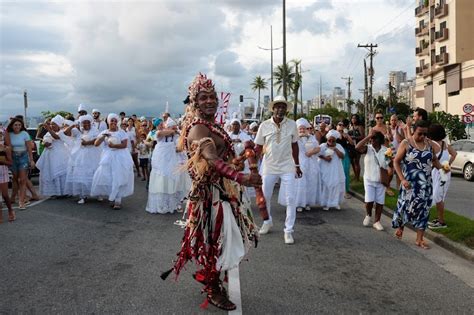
(117, 207)
(220, 300)
(422, 244)
(399, 233)
(11, 216)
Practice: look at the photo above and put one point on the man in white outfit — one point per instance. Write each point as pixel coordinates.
(277, 137)
(98, 123)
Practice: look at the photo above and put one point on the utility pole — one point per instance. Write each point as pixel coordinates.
(25, 103)
(271, 60)
(295, 106)
(349, 81)
(372, 52)
(284, 52)
(366, 100)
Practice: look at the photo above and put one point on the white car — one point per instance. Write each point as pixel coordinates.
(464, 162)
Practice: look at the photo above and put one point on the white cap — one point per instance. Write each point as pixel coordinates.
(58, 120)
(333, 133)
(302, 122)
(95, 110)
(81, 108)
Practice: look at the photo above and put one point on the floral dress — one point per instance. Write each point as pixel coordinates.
(413, 204)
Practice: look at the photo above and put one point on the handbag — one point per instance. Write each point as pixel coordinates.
(384, 178)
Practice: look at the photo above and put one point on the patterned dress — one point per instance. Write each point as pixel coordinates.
(413, 204)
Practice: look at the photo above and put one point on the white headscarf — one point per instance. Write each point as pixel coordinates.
(58, 120)
(68, 122)
(333, 133)
(302, 122)
(235, 120)
(81, 108)
(112, 116)
(95, 110)
(85, 117)
(253, 125)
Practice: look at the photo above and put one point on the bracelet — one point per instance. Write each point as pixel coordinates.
(297, 165)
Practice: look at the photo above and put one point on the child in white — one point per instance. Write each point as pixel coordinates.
(114, 176)
(332, 172)
(53, 162)
(374, 190)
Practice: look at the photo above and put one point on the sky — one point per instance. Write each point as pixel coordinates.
(135, 56)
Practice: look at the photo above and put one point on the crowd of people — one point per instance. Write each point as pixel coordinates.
(195, 159)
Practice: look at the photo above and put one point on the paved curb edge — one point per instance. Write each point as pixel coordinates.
(441, 240)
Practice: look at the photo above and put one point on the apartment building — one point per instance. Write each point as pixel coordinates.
(396, 78)
(444, 55)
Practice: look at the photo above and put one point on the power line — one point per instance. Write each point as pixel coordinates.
(393, 19)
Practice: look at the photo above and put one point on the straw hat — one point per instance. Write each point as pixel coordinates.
(276, 100)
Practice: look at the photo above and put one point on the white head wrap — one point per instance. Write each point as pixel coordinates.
(170, 123)
(302, 122)
(235, 120)
(253, 125)
(68, 122)
(112, 116)
(58, 120)
(81, 108)
(142, 118)
(85, 117)
(95, 110)
(333, 133)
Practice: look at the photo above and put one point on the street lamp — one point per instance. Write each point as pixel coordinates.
(271, 60)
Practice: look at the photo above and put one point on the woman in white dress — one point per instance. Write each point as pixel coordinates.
(332, 172)
(114, 176)
(441, 178)
(53, 162)
(84, 162)
(168, 183)
(307, 187)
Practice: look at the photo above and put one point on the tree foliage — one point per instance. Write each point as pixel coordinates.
(455, 128)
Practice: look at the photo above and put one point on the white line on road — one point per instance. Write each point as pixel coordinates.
(234, 290)
(29, 205)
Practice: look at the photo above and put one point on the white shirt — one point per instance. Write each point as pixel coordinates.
(99, 125)
(277, 141)
(243, 137)
(371, 167)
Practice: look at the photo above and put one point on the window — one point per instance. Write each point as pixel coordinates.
(457, 146)
(468, 147)
(442, 26)
(442, 49)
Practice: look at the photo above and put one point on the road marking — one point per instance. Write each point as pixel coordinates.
(234, 290)
(29, 205)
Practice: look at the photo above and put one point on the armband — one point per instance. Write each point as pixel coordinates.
(228, 172)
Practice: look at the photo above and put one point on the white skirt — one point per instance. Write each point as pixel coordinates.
(82, 167)
(169, 182)
(53, 165)
(440, 188)
(114, 176)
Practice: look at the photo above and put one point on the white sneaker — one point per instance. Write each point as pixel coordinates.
(299, 209)
(81, 202)
(378, 226)
(308, 208)
(326, 208)
(366, 221)
(265, 228)
(289, 238)
(338, 207)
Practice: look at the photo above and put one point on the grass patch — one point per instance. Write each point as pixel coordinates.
(460, 229)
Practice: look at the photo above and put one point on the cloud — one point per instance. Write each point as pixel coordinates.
(305, 19)
(227, 65)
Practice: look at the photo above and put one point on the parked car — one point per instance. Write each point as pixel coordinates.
(36, 145)
(464, 162)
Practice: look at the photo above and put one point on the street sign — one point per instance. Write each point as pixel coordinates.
(467, 108)
(467, 119)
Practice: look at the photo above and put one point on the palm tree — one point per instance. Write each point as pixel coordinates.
(295, 87)
(258, 84)
(280, 72)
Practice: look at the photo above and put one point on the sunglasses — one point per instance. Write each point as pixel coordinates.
(378, 117)
(340, 124)
(423, 134)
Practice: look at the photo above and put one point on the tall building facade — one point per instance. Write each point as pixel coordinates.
(339, 98)
(444, 55)
(396, 78)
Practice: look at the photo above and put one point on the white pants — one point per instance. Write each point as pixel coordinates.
(374, 192)
(288, 182)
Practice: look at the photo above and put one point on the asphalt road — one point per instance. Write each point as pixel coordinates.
(60, 257)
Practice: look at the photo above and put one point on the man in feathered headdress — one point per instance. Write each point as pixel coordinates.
(219, 227)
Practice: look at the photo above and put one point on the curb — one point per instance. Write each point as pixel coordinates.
(439, 239)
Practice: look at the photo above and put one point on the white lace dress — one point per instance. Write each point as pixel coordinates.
(114, 176)
(332, 178)
(169, 181)
(82, 166)
(53, 164)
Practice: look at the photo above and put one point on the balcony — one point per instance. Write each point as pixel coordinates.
(425, 70)
(441, 35)
(423, 50)
(421, 31)
(441, 10)
(442, 59)
(418, 71)
(421, 10)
